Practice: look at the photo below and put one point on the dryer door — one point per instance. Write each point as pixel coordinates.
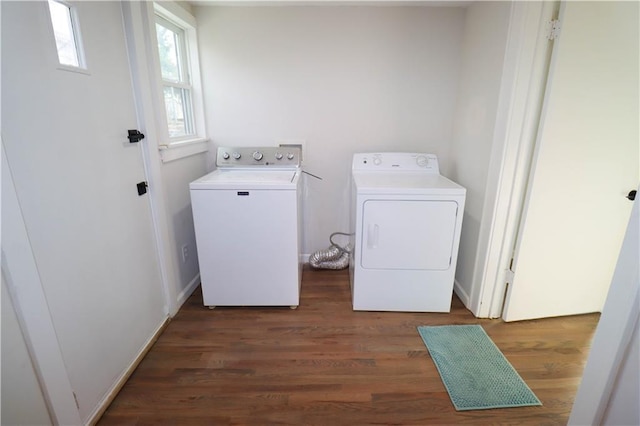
(407, 234)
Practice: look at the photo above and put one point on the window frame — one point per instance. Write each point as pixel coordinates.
(172, 148)
(76, 32)
(183, 82)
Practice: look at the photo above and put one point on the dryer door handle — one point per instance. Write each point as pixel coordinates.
(373, 233)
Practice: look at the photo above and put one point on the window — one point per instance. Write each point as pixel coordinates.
(65, 30)
(176, 78)
(177, 88)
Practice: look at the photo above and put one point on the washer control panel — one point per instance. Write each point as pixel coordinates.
(260, 156)
(395, 161)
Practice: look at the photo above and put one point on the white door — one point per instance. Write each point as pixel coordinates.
(586, 162)
(403, 234)
(75, 175)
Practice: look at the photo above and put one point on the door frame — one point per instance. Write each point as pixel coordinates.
(136, 16)
(524, 79)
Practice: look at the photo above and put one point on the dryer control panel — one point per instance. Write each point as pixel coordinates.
(395, 161)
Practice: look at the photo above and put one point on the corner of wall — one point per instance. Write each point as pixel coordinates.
(459, 290)
(188, 290)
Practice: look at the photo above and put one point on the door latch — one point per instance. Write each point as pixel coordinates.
(142, 187)
(632, 194)
(135, 136)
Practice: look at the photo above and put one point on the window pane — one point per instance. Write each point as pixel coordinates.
(177, 104)
(64, 34)
(172, 51)
(168, 42)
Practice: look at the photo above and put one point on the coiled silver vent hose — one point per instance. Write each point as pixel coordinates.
(334, 257)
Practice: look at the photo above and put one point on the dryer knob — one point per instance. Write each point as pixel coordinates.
(278, 156)
(290, 156)
(225, 155)
(257, 156)
(422, 161)
(236, 155)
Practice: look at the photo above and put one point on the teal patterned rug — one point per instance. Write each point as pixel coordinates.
(474, 371)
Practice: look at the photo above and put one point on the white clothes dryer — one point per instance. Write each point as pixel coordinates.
(406, 220)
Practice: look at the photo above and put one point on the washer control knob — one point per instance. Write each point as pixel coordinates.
(422, 161)
(257, 156)
(377, 161)
(225, 155)
(236, 155)
(278, 156)
(290, 156)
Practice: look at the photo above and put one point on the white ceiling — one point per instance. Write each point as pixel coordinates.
(431, 3)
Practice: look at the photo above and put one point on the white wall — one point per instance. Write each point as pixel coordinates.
(176, 176)
(186, 6)
(22, 399)
(345, 79)
(483, 51)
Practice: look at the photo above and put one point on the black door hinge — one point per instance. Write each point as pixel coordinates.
(142, 187)
(135, 136)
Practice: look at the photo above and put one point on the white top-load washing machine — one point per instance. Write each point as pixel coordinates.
(247, 218)
(406, 219)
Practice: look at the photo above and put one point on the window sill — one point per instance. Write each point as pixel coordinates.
(71, 68)
(182, 149)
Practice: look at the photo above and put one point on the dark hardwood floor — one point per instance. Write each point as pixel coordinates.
(324, 364)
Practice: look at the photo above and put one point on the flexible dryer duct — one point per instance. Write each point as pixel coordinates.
(334, 257)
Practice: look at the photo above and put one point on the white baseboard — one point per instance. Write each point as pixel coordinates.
(304, 258)
(119, 383)
(188, 290)
(462, 295)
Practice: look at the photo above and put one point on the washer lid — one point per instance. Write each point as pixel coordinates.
(247, 179)
(405, 183)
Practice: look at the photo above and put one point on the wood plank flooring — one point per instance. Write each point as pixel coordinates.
(324, 364)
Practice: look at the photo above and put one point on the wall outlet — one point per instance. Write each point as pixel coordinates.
(185, 253)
